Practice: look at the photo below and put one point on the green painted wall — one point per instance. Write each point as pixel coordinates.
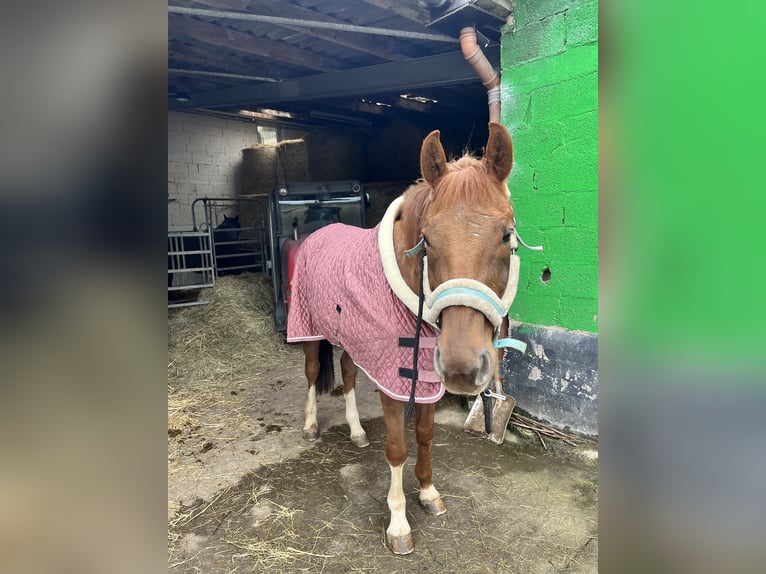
(550, 106)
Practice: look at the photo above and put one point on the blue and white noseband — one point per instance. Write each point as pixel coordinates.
(475, 294)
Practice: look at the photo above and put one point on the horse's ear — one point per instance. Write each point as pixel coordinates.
(433, 161)
(499, 153)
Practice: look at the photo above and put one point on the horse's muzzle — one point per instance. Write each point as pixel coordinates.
(464, 373)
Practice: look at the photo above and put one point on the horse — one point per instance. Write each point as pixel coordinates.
(231, 258)
(360, 289)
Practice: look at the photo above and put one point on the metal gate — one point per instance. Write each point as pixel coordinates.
(190, 264)
(236, 248)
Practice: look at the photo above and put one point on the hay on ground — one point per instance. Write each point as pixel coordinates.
(230, 338)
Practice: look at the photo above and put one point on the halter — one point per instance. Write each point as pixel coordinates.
(467, 293)
(471, 293)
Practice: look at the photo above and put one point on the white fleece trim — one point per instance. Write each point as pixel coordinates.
(388, 258)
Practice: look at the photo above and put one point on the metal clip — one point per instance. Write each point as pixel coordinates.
(419, 246)
(487, 393)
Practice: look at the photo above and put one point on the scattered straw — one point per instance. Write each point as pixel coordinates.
(228, 339)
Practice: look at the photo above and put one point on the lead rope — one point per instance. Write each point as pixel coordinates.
(418, 325)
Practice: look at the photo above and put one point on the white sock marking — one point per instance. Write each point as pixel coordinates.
(397, 504)
(352, 415)
(311, 409)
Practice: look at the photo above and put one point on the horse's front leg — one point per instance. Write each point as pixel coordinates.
(424, 430)
(348, 372)
(398, 533)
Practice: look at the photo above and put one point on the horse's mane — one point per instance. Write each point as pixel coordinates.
(466, 181)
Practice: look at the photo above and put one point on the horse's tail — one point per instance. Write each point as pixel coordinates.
(326, 378)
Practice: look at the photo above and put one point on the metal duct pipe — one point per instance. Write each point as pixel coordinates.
(487, 74)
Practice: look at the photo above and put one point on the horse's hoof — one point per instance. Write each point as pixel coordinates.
(435, 507)
(400, 545)
(360, 441)
(311, 434)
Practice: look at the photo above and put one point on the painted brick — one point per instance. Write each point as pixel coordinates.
(225, 168)
(202, 158)
(207, 169)
(177, 143)
(565, 245)
(538, 39)
(215, 145)
(565, 99)
(582, 24)
(180, 156)
(219, 180)
(178, 169)
(579, 313)
(196, 145)
(550, 103)
(528, 12)
(221, 190)
(202, 128)
(544, 214)
(198, 178)
(516, 110)
(578, 280)
(524, 77)
(545, 300)
(579, 209)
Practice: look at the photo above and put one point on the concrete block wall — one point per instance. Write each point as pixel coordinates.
(549, 93)
(204, 160)
(550, 106)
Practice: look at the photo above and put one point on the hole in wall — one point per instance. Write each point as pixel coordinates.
(546, 276)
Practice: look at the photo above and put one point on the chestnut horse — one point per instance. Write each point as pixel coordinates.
(460, 214)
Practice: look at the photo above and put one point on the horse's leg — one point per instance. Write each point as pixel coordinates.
(424, 430)
(398, 534)
(348, 372)
(310, 426)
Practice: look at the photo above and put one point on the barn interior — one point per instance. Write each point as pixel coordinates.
(268, 93)
(331, 90)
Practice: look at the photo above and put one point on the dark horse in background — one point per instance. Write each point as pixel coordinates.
(459, 221)
(227, 252)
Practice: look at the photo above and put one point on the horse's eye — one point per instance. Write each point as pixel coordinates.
(507, 236)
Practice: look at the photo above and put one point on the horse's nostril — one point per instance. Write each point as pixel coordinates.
(485, 369)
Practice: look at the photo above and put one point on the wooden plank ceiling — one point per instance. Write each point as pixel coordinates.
(270, 59)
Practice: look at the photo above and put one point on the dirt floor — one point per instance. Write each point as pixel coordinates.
(247, 494)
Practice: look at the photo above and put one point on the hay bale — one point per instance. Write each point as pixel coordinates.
(293, 164)
(336, 155)
(229, 339)
(259, 177)
(259, 169)
(381, 193)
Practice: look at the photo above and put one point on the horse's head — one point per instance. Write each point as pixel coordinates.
(468, 229)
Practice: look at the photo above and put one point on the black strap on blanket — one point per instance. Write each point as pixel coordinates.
(413, 373)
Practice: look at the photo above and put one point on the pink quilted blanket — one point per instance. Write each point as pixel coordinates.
(341, 294)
